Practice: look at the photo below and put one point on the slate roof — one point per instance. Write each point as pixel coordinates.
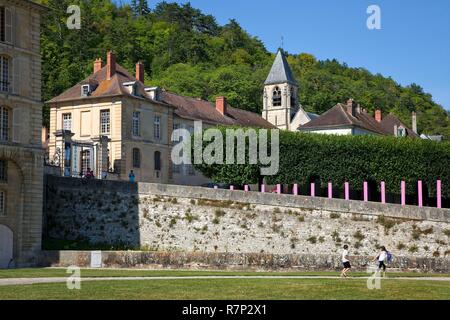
(280, 71)
(185, 107)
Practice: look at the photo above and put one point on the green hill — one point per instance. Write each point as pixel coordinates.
(188, 52)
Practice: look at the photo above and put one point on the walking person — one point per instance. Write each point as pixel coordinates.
(345, 262)
(381, 258)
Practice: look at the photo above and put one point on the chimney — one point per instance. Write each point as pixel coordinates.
(414, 122)
(98, 65)
(140, 71)
(221, 105)
(378, 115)
(351, 107)
(111, 65)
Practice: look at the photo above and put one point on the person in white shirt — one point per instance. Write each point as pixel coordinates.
(381, 257)
(345, 262)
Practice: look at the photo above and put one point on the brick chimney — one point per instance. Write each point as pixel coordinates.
(111, 65)
(414, 122)
(221, 105)
(378, 115)
(98, 65)
(351, 107)
(140, 71)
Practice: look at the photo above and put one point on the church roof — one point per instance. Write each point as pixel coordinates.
(280, 72)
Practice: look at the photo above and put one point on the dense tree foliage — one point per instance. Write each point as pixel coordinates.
(352, 159)
(188, 52)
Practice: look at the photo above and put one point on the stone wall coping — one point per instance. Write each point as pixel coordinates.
(257, 198)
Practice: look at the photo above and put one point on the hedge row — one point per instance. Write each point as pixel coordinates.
(306, 157)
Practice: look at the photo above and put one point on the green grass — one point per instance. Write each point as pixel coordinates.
(231, 289)
(61, 272)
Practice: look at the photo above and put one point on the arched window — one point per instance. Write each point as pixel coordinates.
(136, 158)
(4, 123)
(276, 97)
(157, 161)
(4, 73)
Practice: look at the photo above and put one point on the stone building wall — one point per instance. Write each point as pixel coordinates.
(164, 218)
(21, 151)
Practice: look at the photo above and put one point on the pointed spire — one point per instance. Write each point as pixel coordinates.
(280, 72)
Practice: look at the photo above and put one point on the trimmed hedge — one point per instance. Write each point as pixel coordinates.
(305, 157)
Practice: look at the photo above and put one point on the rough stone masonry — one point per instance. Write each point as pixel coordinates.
(177, 219)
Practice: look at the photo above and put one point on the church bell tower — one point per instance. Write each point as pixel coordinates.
(280, 94)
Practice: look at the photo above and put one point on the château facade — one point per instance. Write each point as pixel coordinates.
(21, 154)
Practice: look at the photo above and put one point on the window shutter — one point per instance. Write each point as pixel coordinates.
(8, 25)
(16, 80)
(16, 127)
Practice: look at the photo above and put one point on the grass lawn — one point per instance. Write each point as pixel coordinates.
(61, 272)
(231, 289)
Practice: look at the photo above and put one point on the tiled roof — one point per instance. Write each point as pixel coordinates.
(196, 109)
(186, 107)
(389, 122)
(339, 117)
(102, 87)
(280, 72)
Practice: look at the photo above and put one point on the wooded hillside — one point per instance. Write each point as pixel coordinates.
(188, 52)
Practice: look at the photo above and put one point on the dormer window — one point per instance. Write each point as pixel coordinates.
(153, 92)
(85, 90)
(401, 132)
(131, 87)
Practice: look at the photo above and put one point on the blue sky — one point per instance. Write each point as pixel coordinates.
(412, 46)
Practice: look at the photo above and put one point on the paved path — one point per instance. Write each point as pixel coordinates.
(28, 281)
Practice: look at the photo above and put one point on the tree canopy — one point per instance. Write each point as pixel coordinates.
(189, 53)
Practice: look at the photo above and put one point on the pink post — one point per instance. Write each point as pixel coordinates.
(330, 190)
(295, 191)
(246, 188)
(263, 188)
(366, 191)
(347, 191)
(313, 189)
(403, 192)
(383, 192)
(420, 193)
(439, 194)
(279, 188)
(231, 188)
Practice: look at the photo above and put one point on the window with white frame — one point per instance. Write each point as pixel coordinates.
(85, 161)
(2, 203)
(105, 123)
(85, 90)
(136, 124)
(401, 132)
(4, 124)
(3, 171)
(67, 121)
(157, 127)
(4, 73)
